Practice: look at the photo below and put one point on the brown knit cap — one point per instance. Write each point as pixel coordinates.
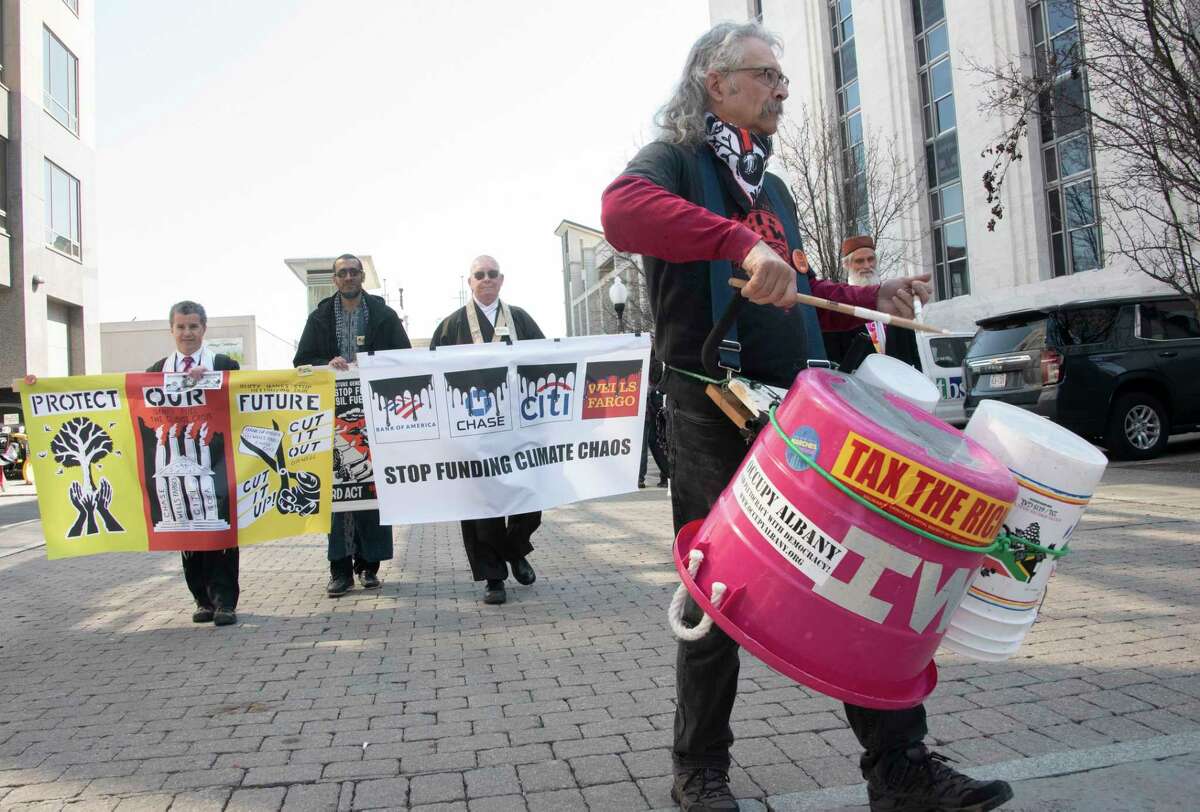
(852, 244)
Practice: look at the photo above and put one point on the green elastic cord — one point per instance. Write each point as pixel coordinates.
(999, 543)
(696, 375)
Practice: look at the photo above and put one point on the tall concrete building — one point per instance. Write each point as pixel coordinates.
(49, 314)
(902, 68)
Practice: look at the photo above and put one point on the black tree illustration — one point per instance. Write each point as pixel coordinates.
(80, 443)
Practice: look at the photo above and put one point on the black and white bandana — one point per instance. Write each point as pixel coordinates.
(744, 152)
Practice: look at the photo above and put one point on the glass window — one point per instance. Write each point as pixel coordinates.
(1081, 205)
(940, 82)
(1051, 163)
(945, 114)
(952, 200)
(1060, 260)
(1056, 219)
(949, 351)
(930, 165)
(1069, 106)
(1064, 50)
(1027, 333)
(854, 130)
(1167, 321)
(935, 209)
(1039, 31)
(1074, 156)
(958, 278)
(956, 240)
(947, 158)
(60, 82)
(1088, 326)
(1060, 14)
(933, 12)
(73, 5)
(849, 63)
(851, 92)
(847, 28)
(1085, 250)
(62, 211)
(3, 184)
(939, 42)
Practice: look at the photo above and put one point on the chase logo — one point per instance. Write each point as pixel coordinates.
(478, 401)
(547, 392)
(403, 409)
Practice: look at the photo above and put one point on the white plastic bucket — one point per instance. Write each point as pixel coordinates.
(1056, 471)
(897, 377)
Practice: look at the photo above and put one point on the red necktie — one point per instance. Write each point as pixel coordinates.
(187, 363)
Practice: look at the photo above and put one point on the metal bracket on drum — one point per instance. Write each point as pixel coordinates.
(747, 403)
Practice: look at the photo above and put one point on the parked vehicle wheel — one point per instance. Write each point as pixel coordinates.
(1138, 427)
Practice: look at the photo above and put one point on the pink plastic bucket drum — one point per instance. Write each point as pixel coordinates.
(815, 583)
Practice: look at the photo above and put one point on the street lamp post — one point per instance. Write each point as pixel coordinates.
(619, 294)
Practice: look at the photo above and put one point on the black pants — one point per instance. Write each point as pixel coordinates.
(212, 577)
(705, 451)
(492, 543)
(650, 443)
(353, 565)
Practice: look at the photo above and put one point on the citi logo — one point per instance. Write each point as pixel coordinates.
(547, 392)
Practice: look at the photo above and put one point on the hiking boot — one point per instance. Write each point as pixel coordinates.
(703, 790)
(339, 585)
(369, 580)
(202, 615)
(224, 617)
(918, 780)
(495, 593)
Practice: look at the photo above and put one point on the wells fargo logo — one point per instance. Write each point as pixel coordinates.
(919, 495)
(613, 389)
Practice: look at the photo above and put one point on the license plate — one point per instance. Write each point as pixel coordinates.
(997, 381)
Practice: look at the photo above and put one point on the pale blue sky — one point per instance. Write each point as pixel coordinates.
(234, 133)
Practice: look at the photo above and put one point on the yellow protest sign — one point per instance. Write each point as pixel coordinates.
(153, 461)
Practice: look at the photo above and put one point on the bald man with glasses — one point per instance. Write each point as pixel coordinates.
(349, 322)
(492, 545)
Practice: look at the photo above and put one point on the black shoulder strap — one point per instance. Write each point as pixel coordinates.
(719, 270)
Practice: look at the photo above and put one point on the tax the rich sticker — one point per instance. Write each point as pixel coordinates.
(612, 389)
(921, 496)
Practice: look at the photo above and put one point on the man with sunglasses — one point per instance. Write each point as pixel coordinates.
(349, 322)
(698, 204)
(493, 545)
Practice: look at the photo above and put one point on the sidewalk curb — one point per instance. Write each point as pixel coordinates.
(1052, 764)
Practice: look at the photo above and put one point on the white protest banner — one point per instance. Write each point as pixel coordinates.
(353, 478)
(470, 432)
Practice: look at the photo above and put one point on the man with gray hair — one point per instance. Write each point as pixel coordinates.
(699, 205)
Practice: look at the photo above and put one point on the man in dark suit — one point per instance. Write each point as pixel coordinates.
(502, 542)
(211, 575)
(349, 322)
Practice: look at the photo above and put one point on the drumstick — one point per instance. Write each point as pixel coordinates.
(858, 312)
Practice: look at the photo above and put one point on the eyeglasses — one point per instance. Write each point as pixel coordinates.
(492, 274)
(770, 77)
(344, 272)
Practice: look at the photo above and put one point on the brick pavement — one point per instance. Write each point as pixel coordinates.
(420, 696)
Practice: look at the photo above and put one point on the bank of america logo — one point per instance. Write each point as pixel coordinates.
(547, 392)
(477, 401)
(404, 408)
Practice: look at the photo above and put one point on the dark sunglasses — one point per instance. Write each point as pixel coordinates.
(489, 274)
(344, 272)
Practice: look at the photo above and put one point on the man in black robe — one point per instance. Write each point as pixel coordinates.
(848, 348)
(349, 322)
(493, 545)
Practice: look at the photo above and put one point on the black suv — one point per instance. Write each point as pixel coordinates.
(1125, 372)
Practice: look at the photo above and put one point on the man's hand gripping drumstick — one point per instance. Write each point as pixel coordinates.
(773, 281)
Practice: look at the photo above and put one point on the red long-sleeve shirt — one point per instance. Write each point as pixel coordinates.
(654, 209)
